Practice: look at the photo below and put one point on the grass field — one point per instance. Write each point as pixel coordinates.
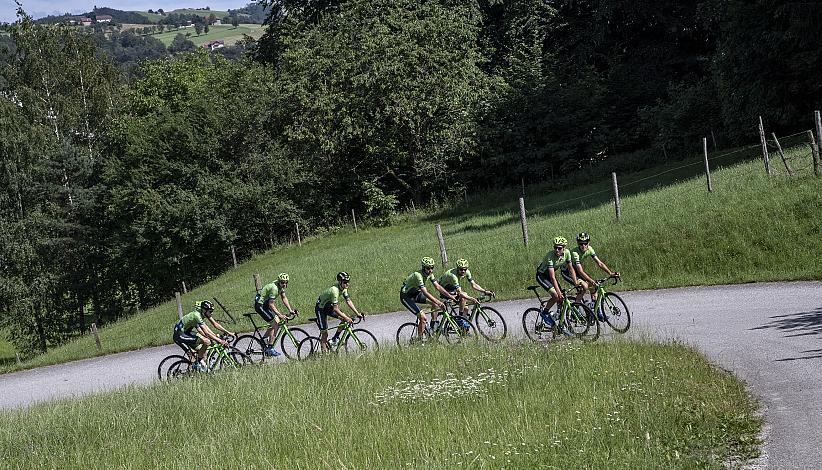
(155, 17)
(7, 350)
(608, 405)
(228, 33)
(672, 233)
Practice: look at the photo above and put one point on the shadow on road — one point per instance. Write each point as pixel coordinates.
(797, 324)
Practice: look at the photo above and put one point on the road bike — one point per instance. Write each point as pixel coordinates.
(217, 357)
(350, 341)
(253, 344)
(452, 327)
(572, 319)
(610, 307)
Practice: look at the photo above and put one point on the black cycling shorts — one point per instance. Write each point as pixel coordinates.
(323, 313)
(410, 301)
(267, 314)
(185, 339)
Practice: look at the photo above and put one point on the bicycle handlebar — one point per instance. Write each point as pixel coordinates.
(615, 280)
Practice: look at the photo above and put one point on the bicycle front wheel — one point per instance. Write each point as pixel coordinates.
(408, 335)
(165, 365)
(309, 348)
(457, 331)
(616, 312)
(252, 347)
(289, 344)
(490, 324)
(535, 327)
(361, 341)
(180, 369)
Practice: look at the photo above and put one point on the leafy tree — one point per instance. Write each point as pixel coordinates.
(198, 28)
(206, 28)
(235, 21)
(180, 44)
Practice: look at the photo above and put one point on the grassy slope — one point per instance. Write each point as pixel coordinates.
(675, 235)
(606, 405)
(183, 11)
(7, 350)
(227, 33)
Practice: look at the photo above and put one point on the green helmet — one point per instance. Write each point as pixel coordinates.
(283, 277)
(560, 241)
(427, 262)
(583, 237)
(462, 263)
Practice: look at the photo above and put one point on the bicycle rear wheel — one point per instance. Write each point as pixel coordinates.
(367, 342)
(289, 347)
(309, 348)
(580, 320)
(490, 324)
(535, 327)
(616, 312)
(251, 346)
(408, 335)
(166, 363)
(232, 359)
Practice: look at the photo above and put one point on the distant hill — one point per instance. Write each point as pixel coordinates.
(249, 14)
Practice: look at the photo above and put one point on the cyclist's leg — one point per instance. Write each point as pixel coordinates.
(411, 305)
(186, 342)
(342, 319)
(322, 324)
(567, 277)
(267, 317)
(542, 280)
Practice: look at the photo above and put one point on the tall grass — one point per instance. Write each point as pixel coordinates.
(751, 228)
(607, 405)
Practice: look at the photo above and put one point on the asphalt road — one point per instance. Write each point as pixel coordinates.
(769, 335)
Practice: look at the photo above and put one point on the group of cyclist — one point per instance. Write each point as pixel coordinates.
(191, 332)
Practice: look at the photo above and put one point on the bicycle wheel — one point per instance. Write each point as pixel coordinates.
(579, 319)
(535, 328)
(616, 312)
(490, 324)
(180, 369)
(459, 331)
(408, 335)
(367, 342)
(289, 346)
(309, 348)
(251, 346)
(166, 363)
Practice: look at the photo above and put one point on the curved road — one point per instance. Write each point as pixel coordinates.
(769, 335)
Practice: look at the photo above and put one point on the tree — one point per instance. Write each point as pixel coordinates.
(206, 28)
(212, 18)
(180, 44)
(198, 28)
(235, 22)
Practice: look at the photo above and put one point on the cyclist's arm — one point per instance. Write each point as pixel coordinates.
(553, 276)
(286, 303)
(462, 294)
(342, 316)
(273, 307)
(431, 298)
(353, 308)
(220, 327)
(479, 288)
(573, 272)
(581, 272)
(444, 292)
(603, 266)
(206, 331)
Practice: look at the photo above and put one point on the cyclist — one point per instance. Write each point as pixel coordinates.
(192, 334)
(265, 306)
(413, 291)
(328, 304)
(450, 281)
(558, 259)
(578, 255)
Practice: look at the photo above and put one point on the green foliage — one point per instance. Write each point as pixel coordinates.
(379, 207)
(645, 406)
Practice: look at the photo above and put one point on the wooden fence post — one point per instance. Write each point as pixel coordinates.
(233, 256)
(96, 337)
(258, 284)
(764, 147)
(299, 240)
(443, 254)
(354, 219)
(523, 187)
(185, 291)
(814, 153)
(179, 305)
(818, 134)
(18, 358)
(707, 168)
(617, 206)
(782, 154)
(413, 209)
(523, 221)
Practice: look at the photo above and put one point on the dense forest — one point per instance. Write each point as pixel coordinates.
(114, 190)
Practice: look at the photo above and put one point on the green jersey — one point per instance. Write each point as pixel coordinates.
(331, 296)
(451, 279)
(415, 282)
(191, 321)
(269, 291)
(578, 257)
(551, 260)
